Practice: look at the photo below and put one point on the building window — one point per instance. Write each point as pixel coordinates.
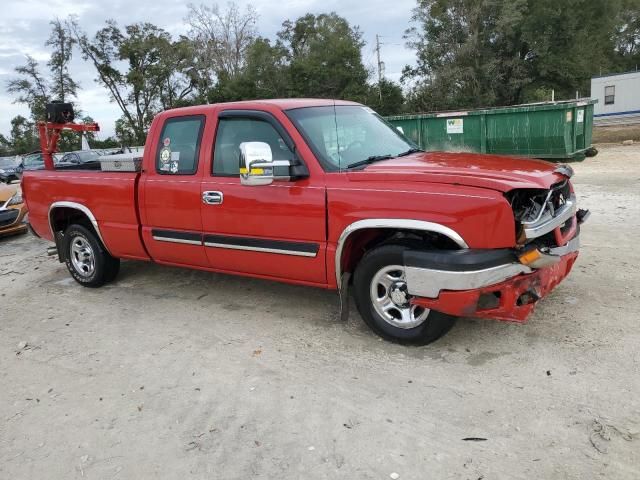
(609, 95)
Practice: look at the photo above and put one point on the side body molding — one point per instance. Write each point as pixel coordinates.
(400, 223)
(81, 208)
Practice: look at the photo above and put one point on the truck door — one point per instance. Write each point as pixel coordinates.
(172, 226)
(276, 231)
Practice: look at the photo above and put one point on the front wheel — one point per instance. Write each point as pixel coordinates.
(86, 259)
(383, 300)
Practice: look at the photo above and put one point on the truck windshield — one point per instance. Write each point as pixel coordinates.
(348, 136)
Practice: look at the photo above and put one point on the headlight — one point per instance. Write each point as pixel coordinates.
(15, 200)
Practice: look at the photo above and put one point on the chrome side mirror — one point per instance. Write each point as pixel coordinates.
(257, 166)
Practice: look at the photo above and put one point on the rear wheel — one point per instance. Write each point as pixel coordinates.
(86, 258)
(383, 300)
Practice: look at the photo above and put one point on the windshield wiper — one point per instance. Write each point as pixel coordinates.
(410, 151)
(371, 159)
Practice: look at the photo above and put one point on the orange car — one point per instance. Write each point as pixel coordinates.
(13, 210)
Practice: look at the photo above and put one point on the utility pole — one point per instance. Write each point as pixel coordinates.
(380, 67)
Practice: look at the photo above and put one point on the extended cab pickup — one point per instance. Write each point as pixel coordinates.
(321, 193)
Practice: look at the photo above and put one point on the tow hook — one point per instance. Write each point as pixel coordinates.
(582, 215)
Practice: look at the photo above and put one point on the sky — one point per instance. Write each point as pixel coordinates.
(24, 29)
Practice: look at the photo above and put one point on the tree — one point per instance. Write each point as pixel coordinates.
(265, 75)
(325, 57)
(221, 40)
(473, 53)
(627, 36)
(469, 53)
(30, 87)
(150, 79)
(5, 146)
(33, 88)
(386, 98)
(22, 137)
(63, 87)
(314, 56)
(125, 134)
(568, 42)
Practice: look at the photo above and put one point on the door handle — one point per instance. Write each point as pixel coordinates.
(212, 198)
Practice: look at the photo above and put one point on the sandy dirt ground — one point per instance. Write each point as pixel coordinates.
(171, 373)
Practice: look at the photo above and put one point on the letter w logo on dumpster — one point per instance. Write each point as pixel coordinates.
(455, 125)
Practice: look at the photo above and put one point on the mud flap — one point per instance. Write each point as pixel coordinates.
(344, 296)
(59, 239)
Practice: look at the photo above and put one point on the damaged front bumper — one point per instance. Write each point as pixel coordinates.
(498, 284)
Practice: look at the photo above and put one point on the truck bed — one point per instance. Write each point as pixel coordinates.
(111, 197)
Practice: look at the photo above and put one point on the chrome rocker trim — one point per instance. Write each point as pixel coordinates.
(261, 249)
(176, 240)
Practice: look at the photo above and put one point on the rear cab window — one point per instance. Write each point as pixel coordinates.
(179, 145)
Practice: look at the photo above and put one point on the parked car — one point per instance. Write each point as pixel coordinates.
(13, 211)
(8, 169)
(34, 161)
(80, 157)
(31, 161)
(322, 193)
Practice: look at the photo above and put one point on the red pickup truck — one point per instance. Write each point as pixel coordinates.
(321, 193)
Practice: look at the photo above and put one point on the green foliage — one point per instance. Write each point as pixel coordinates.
(473, 53)
(265, 75)
(325, 59)
(22, 137)
(62, 87)
(141, 67)
(627, 37)
(392, 101)
(324, 56)
(314, 56)
(469, 53)
(30, 88)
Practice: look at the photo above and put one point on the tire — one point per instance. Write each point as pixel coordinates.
(86, 258)
(401, 323)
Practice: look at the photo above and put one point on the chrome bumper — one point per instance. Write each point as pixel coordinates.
(428, 282)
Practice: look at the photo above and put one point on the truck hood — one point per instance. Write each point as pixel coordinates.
(495, 172)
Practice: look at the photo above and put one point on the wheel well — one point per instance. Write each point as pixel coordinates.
(61, 217)
(361, 241)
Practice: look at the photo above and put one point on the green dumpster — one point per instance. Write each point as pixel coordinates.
(550, 130)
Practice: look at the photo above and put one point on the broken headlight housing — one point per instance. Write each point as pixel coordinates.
(530, 205)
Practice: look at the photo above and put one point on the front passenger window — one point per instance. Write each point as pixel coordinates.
(234, 131)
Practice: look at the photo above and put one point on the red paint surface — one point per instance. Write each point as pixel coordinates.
(461, 191)
(465, 303)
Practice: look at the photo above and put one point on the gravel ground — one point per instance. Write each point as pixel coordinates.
(172, 373)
